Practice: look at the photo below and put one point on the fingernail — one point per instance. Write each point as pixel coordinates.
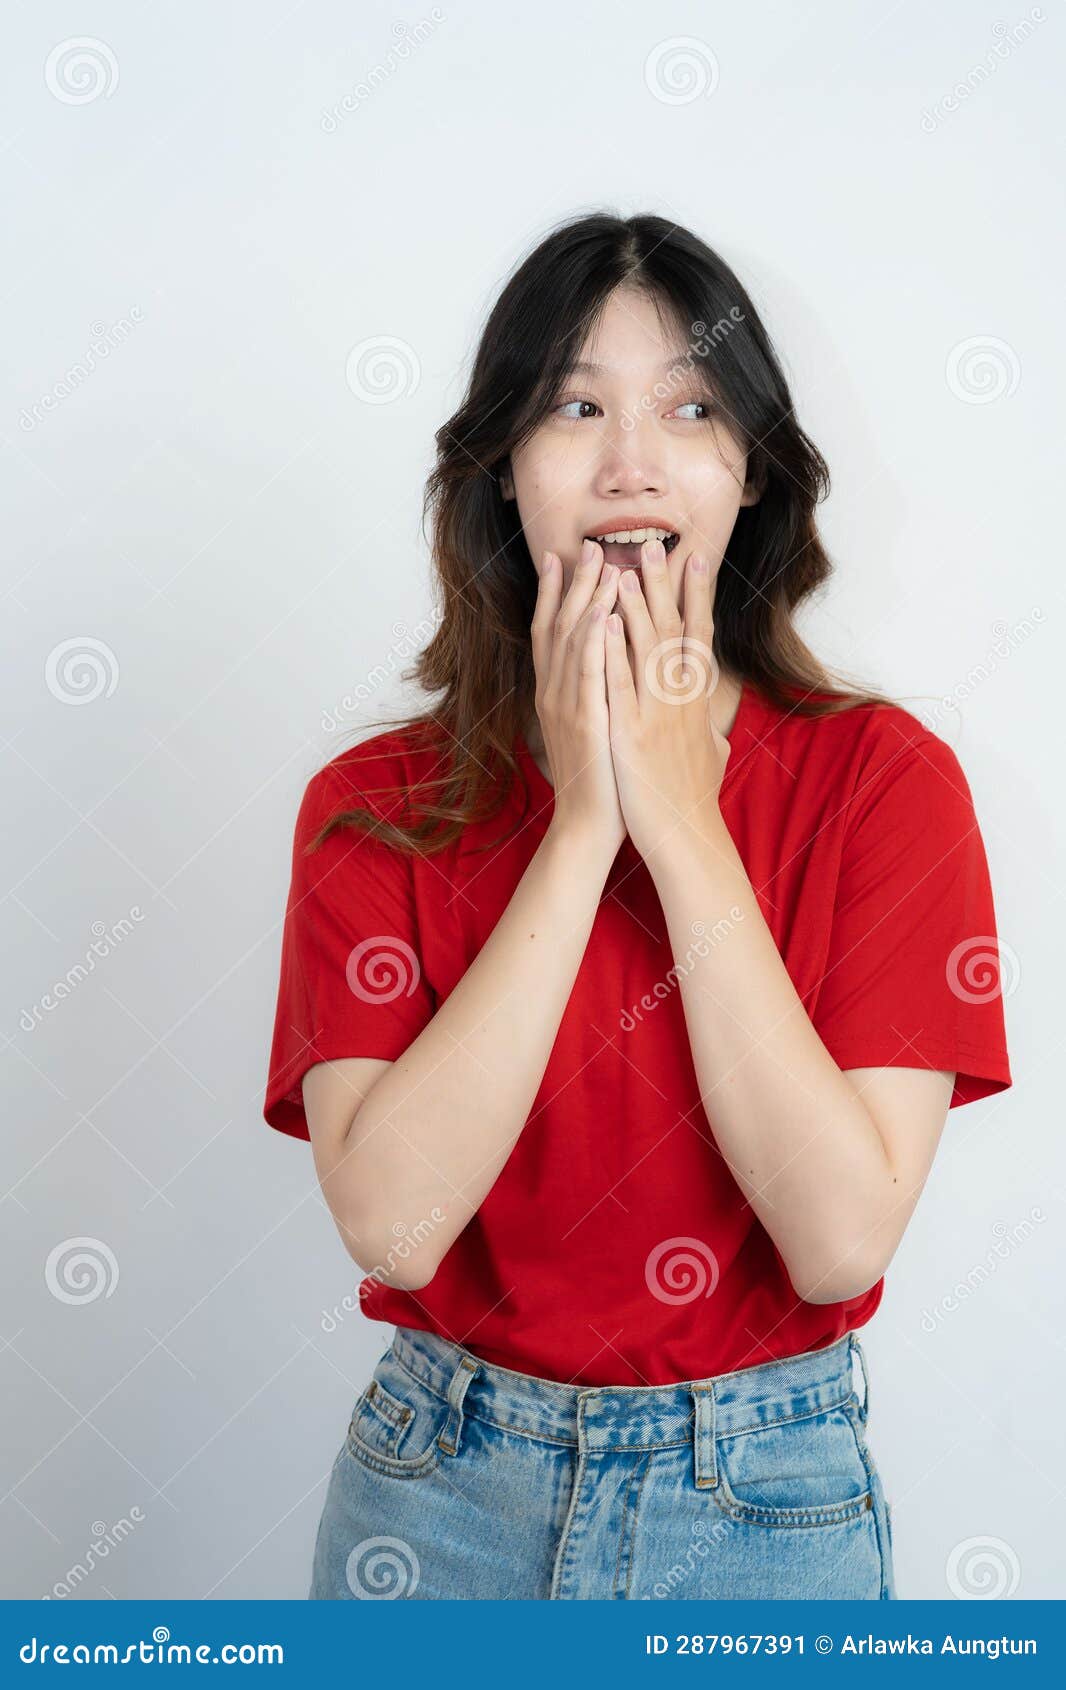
(588, 551)
(699, 564)
(630, 584)
(654, 550)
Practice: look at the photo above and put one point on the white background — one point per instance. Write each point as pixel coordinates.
(239, 533)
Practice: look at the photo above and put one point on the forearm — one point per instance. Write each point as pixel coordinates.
(803, 1149)
(436, 1129)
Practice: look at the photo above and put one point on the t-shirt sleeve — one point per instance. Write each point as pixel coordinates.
(352, 981)
(915, 975)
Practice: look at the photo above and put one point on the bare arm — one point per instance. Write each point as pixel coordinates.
(832, 1165)
(416, 1154)
(426, 1146)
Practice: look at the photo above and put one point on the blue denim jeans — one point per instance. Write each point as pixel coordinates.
(461, 1479)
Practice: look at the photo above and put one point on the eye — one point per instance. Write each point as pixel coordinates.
(567, 403)
(703, 405)
(700, 404)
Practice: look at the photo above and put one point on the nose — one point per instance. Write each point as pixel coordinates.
(629, 463)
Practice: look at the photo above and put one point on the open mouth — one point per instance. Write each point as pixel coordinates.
(624, 549)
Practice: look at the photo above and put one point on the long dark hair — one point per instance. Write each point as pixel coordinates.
(480, 659)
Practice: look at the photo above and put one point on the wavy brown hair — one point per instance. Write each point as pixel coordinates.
(480, 659)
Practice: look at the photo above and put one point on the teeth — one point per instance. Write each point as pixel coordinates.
(628, 536)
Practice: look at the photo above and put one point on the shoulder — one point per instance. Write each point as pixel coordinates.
(380, 772)
(869, 769)
(902, 763)
(867, 749)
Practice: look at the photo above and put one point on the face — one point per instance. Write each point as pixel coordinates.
(634, 443)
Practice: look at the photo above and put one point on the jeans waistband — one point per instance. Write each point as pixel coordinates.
(632, 1416)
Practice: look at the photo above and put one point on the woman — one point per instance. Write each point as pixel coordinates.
(624, 994)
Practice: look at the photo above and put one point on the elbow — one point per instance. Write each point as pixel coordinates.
(401, 1257)
(414, 1275)
(838, 1282)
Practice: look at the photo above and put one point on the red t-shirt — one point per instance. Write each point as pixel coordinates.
(615, 1248)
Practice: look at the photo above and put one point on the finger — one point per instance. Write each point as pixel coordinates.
(587, 660)
(641, 632)
(621, 692)
(699, 623)
(574, 604)
(602, 599)
(675, 565)
(591, 688)
(662, 605)
(549, 592)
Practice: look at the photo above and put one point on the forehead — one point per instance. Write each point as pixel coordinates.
(632, 333)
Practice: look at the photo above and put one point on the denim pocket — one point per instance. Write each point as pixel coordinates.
(806, 1471)
(396, 1423)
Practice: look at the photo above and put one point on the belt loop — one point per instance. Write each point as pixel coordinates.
(857, 1349)
(706, 1466)
(450, 1436)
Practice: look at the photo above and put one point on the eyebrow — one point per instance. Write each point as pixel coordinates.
(583, 368)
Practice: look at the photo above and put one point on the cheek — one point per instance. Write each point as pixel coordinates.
(546, 485)
(548, 503)
(714, 514)
(715, 489)
(551, 473)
